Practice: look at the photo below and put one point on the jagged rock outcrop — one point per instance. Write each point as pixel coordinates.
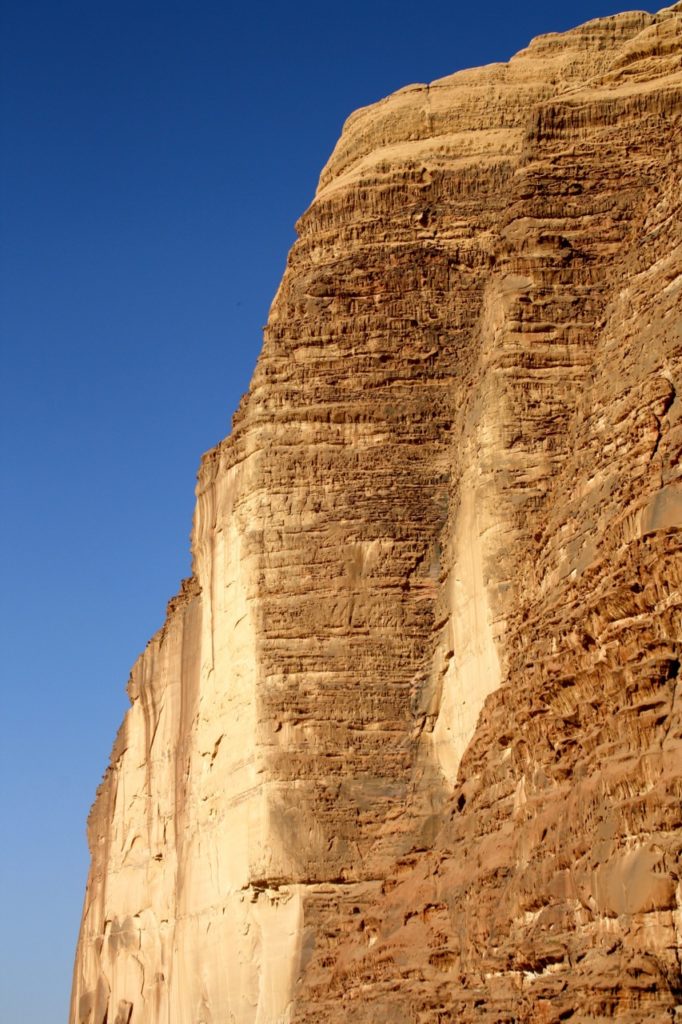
(408, 747)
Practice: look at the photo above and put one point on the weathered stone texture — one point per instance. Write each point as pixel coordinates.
(409, 748)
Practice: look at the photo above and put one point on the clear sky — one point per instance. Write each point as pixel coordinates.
(154, 158)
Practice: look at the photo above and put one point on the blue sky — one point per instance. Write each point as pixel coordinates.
(153, 160)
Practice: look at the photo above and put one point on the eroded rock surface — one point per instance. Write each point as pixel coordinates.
(409, 745)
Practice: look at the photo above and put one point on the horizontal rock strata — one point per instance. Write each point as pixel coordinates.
(408, 747)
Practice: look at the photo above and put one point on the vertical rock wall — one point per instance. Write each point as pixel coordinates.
(407, 747)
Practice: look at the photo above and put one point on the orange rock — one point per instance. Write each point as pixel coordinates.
(408, 747)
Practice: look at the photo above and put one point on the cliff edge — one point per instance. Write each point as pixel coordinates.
(408, 747)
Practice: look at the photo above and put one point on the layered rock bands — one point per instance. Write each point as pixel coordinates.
(408, 747)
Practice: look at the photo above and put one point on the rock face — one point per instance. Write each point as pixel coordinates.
(408, 747)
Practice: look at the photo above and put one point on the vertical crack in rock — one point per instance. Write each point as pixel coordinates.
(408, 745)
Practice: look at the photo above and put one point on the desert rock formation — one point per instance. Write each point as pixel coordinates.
(408, 747)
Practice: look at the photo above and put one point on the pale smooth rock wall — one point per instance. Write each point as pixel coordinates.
(408, 745)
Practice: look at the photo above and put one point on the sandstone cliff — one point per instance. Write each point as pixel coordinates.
(408, 747)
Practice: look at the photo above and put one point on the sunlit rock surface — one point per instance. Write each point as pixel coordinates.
(408, 747)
